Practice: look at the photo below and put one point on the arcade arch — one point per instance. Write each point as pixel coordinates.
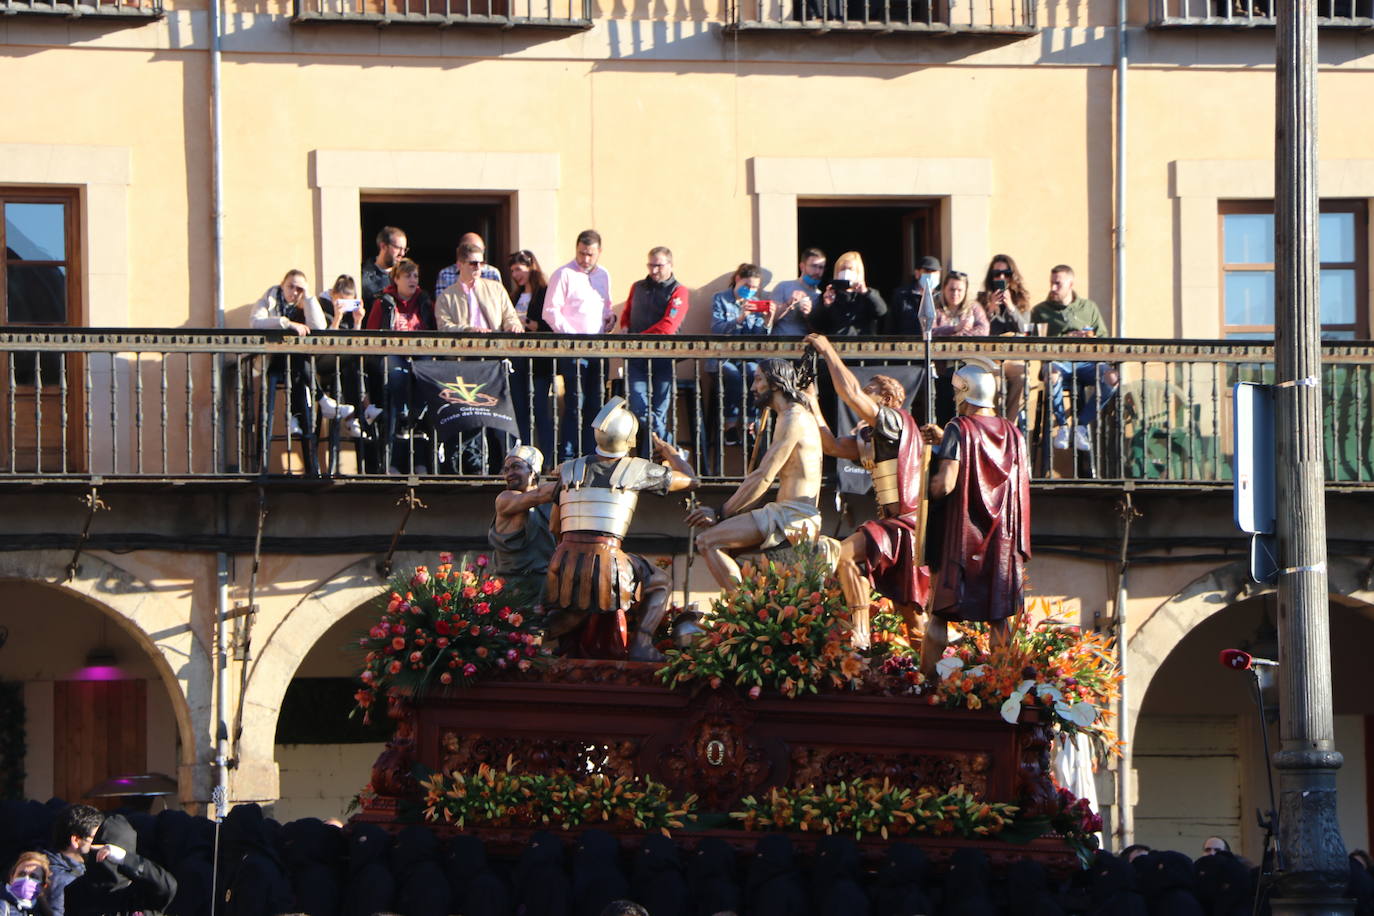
(55, 624)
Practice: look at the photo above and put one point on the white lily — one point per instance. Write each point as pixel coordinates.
(1011, 709)
(948, 666)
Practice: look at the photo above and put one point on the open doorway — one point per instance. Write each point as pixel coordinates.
(433, 223)
(891, 234)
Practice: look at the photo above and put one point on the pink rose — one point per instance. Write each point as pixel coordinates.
(446, 678)
(469, 669)
(481, 559)
(754, 692)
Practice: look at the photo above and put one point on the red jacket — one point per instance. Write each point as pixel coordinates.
(674, 307)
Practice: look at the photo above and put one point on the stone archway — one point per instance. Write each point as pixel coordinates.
(160, 626)
(1163, 628)
(282, 651)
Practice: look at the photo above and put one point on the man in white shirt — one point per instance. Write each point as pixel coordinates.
(579, 302)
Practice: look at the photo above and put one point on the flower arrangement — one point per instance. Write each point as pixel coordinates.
(780, 630)
(869, 807)
(1069, 673)
(449, 628)
(494, 797)
(1077, 823)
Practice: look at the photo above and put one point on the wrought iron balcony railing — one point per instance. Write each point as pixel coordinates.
(1331, 14)
(84, 9)
(549, 14)
(988, 17)
(167, 405)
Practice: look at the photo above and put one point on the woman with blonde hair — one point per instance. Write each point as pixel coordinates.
(957, 315)
(848, 308)
(26, 886)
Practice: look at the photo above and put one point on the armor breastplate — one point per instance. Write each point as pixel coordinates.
(607, 510)
(883, 471)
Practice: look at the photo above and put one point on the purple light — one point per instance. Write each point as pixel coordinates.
(98, 673)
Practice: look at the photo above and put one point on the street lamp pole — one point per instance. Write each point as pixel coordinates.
(1315, 867)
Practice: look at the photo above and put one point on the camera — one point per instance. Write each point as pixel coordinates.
(839, 285)
(349, 305)
(999, 285)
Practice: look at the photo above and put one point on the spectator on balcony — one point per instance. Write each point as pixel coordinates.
(579, 302)
(1067, 314)
(956, 315)
(473, 304)
(737, 310)
(904, 318)
(533, 379)
(656, 305)
(848, 307)
(289, 307)
(449, 275)
(797, 298)
(1007, 303)
(391, 247)
(402, 307)
(341, 379)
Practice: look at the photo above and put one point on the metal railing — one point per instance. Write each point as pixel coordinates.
(558, 14)
(77, 9)
(1006, 17)
(167, 405)
(1350, 14)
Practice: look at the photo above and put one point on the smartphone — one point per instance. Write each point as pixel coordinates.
(348, 305)
(839, 286)
(999, 286)
(760, 305)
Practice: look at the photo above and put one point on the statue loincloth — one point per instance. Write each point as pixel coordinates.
(787, 522)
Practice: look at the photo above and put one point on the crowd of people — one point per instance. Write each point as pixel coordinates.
(74, 860)
(473, 297)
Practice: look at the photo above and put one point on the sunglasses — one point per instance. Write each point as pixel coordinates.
(474, 263)
(1001, 273)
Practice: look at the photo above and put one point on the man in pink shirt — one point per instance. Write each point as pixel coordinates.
(579, 302)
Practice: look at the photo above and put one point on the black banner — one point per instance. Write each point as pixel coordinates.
(466, 396)
(852, 476)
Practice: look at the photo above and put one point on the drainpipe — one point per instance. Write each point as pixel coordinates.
(217, 268)
(222, 676)
(1125, 814)
(1119, 253)
(216, 163)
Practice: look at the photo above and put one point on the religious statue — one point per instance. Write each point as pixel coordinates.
(793, 459)
(984, 474)
(520, 538)
(595, 590)
(884, 554)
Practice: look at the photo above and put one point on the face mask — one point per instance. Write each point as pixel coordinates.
(23, 889)
(810, 280)
(847, 274)
(930, 281)
(745, 292)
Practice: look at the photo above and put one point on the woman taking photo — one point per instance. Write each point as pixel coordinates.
(1008, 307)
(848, 308)
(956, 315)
(737, 310)
(530, 389)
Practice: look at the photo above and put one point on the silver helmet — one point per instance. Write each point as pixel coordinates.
(975, 382)
(615, 429)
(530, 455)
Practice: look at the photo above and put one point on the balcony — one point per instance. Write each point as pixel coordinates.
(73, 9)
(1234, 14)
(883, 17)
(170, 407)
(506, 14)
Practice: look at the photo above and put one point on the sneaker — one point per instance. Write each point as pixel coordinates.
(331, 409)
(353, 429)
(293, 428)
(372, 413)
(1061, 437)
(392, 470)
(1082, 439)
(732, 435)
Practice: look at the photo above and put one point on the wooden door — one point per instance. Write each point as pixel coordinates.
(100, 730)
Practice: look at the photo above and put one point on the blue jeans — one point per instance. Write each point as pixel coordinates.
(1085, 375)
(651, 383)
(733, 382)
(582, 387)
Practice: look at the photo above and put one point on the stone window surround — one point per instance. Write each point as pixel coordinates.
(101, 175)
(1197, 186)
(963, 186)
(341, 177)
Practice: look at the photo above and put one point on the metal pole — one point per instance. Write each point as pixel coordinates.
(1122, 64)
(216, 160)
(1307, 761)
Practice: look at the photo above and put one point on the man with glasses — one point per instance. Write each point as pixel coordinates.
(73, 832)
(449, 275)
(391, 247)
(796, 298)
(656, 305)
(579, 302)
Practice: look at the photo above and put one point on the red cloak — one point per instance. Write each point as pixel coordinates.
(894, 562)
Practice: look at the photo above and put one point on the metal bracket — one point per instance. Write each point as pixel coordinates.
(243, 643)
(411, 503)
(94, 504)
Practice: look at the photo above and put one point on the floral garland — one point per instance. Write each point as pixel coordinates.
(494, 797)
(448, 628)
(869, 807)
(780, 630)
(1077, 823)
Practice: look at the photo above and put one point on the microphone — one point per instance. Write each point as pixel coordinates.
(1241, 660)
